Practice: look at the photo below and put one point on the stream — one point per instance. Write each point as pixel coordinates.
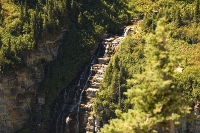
(73, 107)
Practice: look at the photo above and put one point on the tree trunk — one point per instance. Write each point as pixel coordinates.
(171, 126)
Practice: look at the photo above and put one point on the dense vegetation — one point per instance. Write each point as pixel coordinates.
(145, 88)
(88, 21)
(23, 24)
(141, 89)
(26, 24)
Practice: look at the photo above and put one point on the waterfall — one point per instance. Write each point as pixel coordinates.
(70, 110)
(67, 114)
(126, 30)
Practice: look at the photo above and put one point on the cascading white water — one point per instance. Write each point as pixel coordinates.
(72, 109)
(71, 100)
(59, 126)
(126, 30)
(77, 105)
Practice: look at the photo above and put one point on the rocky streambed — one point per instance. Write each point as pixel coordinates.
(72, 110)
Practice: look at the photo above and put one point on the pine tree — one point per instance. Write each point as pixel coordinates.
(0, 7)
(21, 12)
(45, 29)
(108, 100)
(155, 97)
(1, 16)
(178, 21)
(196, 14)
(26, 15)
(1, 43)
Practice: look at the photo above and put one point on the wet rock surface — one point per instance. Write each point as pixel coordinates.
(72, 112)
(89, 124)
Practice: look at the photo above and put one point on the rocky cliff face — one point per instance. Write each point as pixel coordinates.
(18, 89)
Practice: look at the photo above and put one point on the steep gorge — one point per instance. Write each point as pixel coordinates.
(28, 91)
(20, 102)
(72, 111)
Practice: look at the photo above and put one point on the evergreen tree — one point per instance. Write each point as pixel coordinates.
(1, 43)
(21, 12)
(178, 21)
(44, 25)
(196, 14)
(155, 96)
(26, 15)
(0, 7)
(1, 14)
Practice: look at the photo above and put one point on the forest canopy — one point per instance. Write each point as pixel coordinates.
(153, 95)
(159, 67)
(25, 24)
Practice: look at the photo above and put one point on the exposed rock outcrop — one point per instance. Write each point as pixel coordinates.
(18, 89)
(90, 124)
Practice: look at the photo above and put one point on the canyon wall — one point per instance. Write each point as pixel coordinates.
(18, 88)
